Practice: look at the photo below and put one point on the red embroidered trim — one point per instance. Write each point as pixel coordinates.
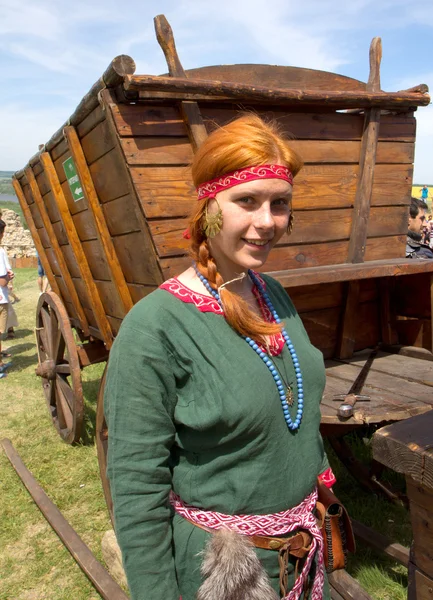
(209, 304)
(328, 477)
(185, 294)
(209, 189)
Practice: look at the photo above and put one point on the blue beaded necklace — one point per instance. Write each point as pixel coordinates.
(292, 425)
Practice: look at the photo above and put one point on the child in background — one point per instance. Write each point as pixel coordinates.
(6, 275)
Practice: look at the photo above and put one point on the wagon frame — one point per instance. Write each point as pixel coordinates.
(131, 139)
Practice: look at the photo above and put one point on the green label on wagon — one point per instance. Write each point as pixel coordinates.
(73, 179)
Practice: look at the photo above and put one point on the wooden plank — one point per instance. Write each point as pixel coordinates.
(168, 191)
(88, 123)
(85, 226)
(96, 260)
(134, 258)
(51, 206)
(35, 236)
(140, 291)
(378, 541)
(115, 270)
(346, 272)
(119, 217)
(74, 241)
(152, 270)
(60, 233)
(97, 142)
(328, 295)
(423, 587)
(348, 320)
(72, 292)
(422, 529)
(114, 186)
(406, 448)
(406, 289)
(276, 76)
(177, 151)
(395, 365)
(314, 126)
(37, 219)
(157, 151)
(147, 120)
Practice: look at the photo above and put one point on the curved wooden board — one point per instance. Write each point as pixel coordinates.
(275, 76)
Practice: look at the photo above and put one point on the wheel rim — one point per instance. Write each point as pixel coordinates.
(102, 444)
(59, 367)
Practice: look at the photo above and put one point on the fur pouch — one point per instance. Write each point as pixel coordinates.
(232, 570)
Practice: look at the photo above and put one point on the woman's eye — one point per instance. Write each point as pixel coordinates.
(246, 200)
(280, 202)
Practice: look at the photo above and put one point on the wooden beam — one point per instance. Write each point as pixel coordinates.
(35, 235)
(348, 320)
(212, 89)
(190, 111)
(346, 586)
(367, 162)
(117, 276)
(37, 197)
(388, 333)
(80, 257)
(380, 542)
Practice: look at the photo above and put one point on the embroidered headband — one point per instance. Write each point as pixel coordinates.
(209, 189)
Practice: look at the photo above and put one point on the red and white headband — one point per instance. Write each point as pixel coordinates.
(211, 188)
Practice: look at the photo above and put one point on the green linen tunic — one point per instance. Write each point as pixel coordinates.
(191, 407)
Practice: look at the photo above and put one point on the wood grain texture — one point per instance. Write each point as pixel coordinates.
(76, 246)
(72, 292)
(97, 217)
(35, 236)
(406, 447)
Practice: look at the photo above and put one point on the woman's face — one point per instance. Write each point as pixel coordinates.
(255, 216)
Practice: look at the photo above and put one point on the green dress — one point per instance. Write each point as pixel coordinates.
(191, 407)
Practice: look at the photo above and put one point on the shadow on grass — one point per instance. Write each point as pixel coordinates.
(18, 348)
(20, 363)
(21, 333)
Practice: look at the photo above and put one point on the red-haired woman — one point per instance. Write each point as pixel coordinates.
(212, 399)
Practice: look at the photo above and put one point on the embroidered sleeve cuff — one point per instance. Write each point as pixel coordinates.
(328, 477)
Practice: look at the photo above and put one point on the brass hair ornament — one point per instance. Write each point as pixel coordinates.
(212, 223)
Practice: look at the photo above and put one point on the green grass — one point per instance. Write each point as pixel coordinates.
(34, 565)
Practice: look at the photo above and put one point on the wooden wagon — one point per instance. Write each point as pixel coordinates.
(107, 199)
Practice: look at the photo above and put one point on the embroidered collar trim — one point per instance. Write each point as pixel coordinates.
(208, 304)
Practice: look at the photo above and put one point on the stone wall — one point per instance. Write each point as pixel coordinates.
(17, 241)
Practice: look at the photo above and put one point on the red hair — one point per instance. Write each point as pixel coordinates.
(245, 142)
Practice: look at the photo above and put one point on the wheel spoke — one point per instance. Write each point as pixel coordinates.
(48, 338)
(64, 403)
(59, 348)
(63, 369)
(66, 390)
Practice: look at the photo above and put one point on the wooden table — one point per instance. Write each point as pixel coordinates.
(407, 447)
(399, 387)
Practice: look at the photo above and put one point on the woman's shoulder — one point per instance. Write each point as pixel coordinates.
(152, 311)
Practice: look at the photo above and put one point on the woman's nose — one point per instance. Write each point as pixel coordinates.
(264, 218)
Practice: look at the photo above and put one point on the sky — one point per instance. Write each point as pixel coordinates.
(52, 51)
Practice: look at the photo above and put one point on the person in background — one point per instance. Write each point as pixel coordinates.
(42, 279)
(6, 275)
(415, 248)
(424, 193)
(213, 398)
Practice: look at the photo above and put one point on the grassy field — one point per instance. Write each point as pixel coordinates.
(34, 565)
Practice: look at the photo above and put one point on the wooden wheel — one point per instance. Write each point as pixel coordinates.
(102, 445)
(59, 367)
